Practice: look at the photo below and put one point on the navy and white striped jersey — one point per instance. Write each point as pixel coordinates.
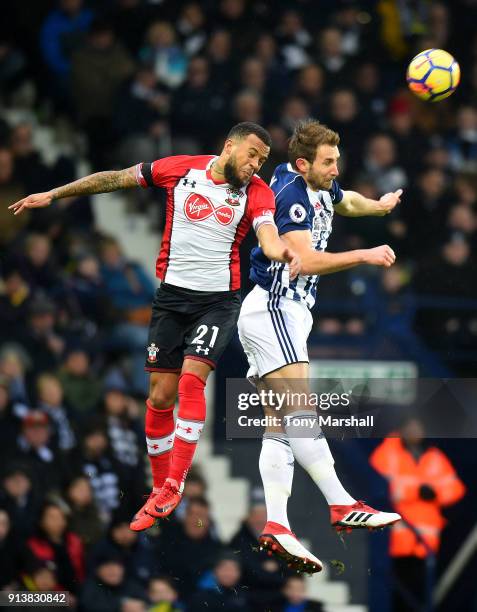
(297, 208)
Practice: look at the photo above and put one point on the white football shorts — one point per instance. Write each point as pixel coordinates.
(273, 331)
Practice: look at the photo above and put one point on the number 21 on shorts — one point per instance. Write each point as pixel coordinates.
(202, 331)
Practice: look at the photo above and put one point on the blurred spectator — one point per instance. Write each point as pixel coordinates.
(9, 424)
(10, 192)
(191, 540)
(39, 336)
(425, 210)
(294, 110)
(62, 33)
(81, 387)
(53, 542)
(37, 265)
(162, 595)
(267, 51)
(84, 519)
(20, 497)
(164, 54)
(13, 68)
(50, 401)
(109, 587)
(447, 274)
(9, 553)
(129, 286)
(130, 19)
(247, 106)
(98, 69)
(130, 290)
(294, 40)
(224, 590)
(294, 597)
(191, 26)
(15, 297)
(35, 448)
(466, 191)
(370, 92)
(199, 111)
(410, 142)
(87, 287)
(233, 16)
(349, 19)
(29, 167)
(345, 118)
(422, 481)
(463, 145)
(38, 575)
(125, 428)
(381, 164)
(133, 548)
(261, 574)
(94, 459)
(331, 54)
(310, 83)
(221, 62)
(140, 117)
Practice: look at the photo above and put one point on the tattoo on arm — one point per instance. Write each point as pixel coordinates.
(100, 182)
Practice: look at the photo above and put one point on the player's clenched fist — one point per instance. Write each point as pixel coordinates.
(36, 200)
(380, 256)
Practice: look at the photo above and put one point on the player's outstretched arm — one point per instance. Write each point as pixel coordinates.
(354, 204)
(274, 248)
(321, 262)
(100, 182)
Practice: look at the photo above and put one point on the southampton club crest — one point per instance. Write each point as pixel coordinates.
(152, 351)
(234, 196)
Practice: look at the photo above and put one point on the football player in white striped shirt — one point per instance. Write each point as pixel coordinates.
(275, 322)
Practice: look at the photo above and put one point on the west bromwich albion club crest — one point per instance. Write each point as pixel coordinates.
(152, 351)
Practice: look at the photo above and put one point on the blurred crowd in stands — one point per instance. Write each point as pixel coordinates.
(123, 81)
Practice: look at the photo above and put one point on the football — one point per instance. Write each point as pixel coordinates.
(433, 75)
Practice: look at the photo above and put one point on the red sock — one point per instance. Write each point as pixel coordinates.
(189, 425)
(159, 438)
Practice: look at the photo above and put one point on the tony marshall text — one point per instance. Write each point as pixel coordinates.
(323, 421)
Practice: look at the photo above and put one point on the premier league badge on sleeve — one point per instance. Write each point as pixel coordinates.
(152, 351)
(297, 213)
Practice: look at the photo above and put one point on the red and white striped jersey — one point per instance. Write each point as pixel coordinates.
(205, 221)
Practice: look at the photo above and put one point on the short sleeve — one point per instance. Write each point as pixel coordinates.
(167, 171)
(336, 193)
(261, 204)
(291, 212)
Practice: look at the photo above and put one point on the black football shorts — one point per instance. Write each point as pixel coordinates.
(186, 323)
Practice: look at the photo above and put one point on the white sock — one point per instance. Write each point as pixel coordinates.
(312, 452)
(276, 470)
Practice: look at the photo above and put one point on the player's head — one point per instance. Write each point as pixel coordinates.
(245, 151)
(313, 152)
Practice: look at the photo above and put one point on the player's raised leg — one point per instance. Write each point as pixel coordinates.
(310, 448)
(159, 429)
(189, 426)
(276, 466)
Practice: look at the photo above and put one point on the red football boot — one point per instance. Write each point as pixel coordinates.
(141, 519)
(361, 516)
(283, 543)
(165, 501)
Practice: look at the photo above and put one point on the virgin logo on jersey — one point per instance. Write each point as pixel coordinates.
(199, 208)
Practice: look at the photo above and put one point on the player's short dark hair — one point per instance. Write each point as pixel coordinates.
(307, 136)
(242, 130)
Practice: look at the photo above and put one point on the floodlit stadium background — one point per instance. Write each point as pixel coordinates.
(105, 84)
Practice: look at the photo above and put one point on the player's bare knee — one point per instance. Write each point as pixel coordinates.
(161, 399)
